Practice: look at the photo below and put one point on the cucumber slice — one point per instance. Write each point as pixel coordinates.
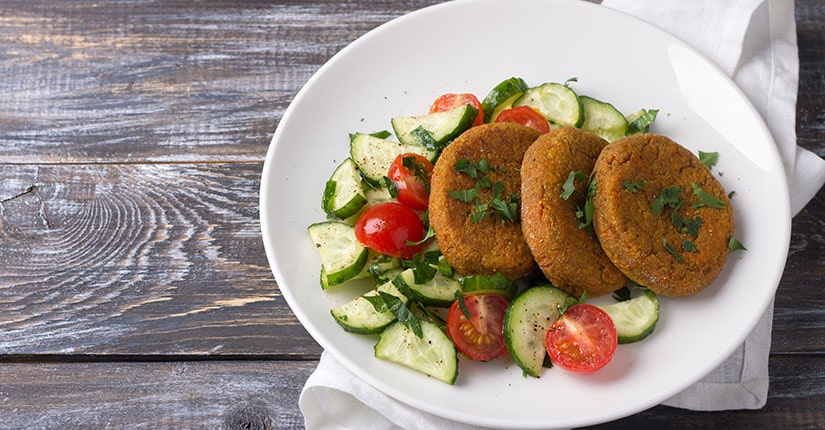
(503, 106)
(602, 119)
(636, 318)
(558, 103)
(374, 155)
(505, 90)
(526, 322)
(344, 195)
(438, 291)
(432, 354)
(435, 130)
(360, 316)
(486, 284)
(342, 256)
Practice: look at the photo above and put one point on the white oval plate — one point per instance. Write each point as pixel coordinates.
(400, 67)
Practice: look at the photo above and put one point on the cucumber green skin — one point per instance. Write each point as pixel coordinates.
(628, 336)
(532, 98)
(375, 322)
(433, 337)
(597, 111)
(517, 324)
(501, 92)
(415, 294)
(489, 284)
(405, 127)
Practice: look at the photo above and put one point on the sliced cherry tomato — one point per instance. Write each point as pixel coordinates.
(583, 339)
(452, 101)
(481, 337)
(388, 227)
(411, 174)
(527, 116)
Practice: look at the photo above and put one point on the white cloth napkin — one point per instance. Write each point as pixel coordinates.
(754, 42)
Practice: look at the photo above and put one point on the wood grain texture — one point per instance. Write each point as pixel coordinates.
(134, 289)
(138, 259)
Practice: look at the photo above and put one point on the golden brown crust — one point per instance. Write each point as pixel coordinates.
(488, 246)
(632, 235)
(570, 257)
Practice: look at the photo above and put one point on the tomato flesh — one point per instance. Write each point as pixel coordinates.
(451, 101)
(411, 175)
(388, 228)
(583, 340)
(481, 337)
(526, 116)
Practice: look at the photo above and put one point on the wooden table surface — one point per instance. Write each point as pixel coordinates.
(134, 289)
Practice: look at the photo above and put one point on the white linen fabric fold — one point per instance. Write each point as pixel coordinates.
(754, 42)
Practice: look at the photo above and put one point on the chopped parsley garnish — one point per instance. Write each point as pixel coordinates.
(642, 123)
(672, 250)
(634, 186)
(462, 305)
(707, 199)
(387, 302)
(669, 196)
(505, 208)
(584, 213)
(709, 159)
(420, 173)
(735, 245)
(688, 246)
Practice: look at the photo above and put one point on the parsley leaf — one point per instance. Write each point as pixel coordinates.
(735, 245)
(707, 199)
(669, 196)
(672, 251)
(634, 186)
(465, 166)
(404, 314)
(424, 138)
(688, 246)
(569, 186)
(709, 159)
(642, 123)
(462, 305)
(466, 196)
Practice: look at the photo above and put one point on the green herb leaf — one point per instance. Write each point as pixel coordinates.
(622, 294)
(735, 245)
(483, 166)
(634, 186)
(462, 305)
(383, 134)
(709, 159)
(707, 199)
(570, 80)
(391, 187)
(404, 315)
(424, 138)
(672, 251)
(642, 123)
(465, 166)
(669, 196)
(569, 186)
(427, 236)
(688, 246)
(423, 272)
(466, 196)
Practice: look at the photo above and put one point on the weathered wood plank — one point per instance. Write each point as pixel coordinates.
(138, 259)
(158, 395)
(227, 394)
(172, 81)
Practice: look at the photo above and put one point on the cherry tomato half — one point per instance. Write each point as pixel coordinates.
(482, 336)
(527, 116)
(583, 339)
(452, 101)
(388, 227)
(411, 174)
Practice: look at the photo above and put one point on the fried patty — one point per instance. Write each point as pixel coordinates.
(570, 257)
(678, 251)
(491, 244)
